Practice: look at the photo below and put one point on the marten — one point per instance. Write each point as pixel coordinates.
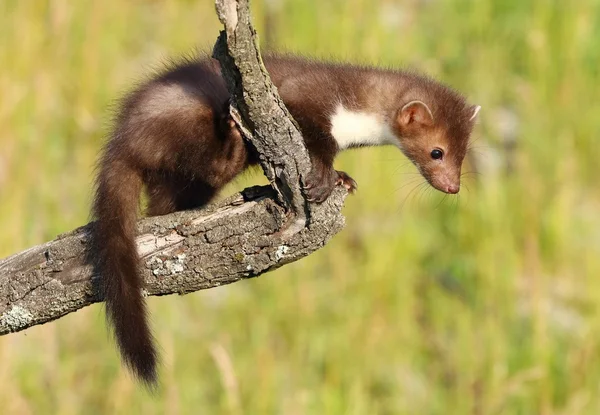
(173, 136)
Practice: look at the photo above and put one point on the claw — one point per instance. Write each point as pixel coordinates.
(348, 182)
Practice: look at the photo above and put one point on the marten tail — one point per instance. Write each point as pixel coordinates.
(115, 257)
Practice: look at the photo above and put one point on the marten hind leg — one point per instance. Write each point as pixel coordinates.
(194, 194)
(172, 194)
(162, 196)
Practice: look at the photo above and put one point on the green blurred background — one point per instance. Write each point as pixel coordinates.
(483, 304)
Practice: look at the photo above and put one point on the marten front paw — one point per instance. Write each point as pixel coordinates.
(320, 184)
(348, 182)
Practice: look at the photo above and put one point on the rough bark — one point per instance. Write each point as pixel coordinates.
(258, 110)
(246, 235)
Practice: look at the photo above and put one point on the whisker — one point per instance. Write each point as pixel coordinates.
(456, 200)
(441, 201)
(476, 150)
(410, 193)
(408, 173)
(486, 146)
(412, 180)
(424, 194)
(403, 165)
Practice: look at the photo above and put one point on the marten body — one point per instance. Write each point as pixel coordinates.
(174, 137)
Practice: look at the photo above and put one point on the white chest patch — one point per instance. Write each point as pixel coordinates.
(353, 129)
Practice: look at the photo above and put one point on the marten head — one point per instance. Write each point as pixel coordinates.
(436, 142)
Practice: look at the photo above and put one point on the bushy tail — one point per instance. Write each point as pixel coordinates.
(115, 259)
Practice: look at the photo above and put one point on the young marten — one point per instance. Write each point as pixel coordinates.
(173, 136)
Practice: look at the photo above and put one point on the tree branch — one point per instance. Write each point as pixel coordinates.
(244, 236)
(284, 158)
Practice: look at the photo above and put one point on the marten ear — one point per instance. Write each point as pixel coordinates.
(415, 112)
(474, 111)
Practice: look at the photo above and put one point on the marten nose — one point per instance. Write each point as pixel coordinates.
(453, 188)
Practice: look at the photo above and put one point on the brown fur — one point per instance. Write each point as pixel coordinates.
(173, 136)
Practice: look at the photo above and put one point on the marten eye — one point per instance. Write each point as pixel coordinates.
(437, 154)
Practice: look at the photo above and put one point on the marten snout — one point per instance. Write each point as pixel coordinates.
(446, 185)
(444, 178)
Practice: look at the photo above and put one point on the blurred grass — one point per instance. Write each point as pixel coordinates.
(483, 304)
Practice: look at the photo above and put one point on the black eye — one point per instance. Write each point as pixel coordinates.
(437, 154)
